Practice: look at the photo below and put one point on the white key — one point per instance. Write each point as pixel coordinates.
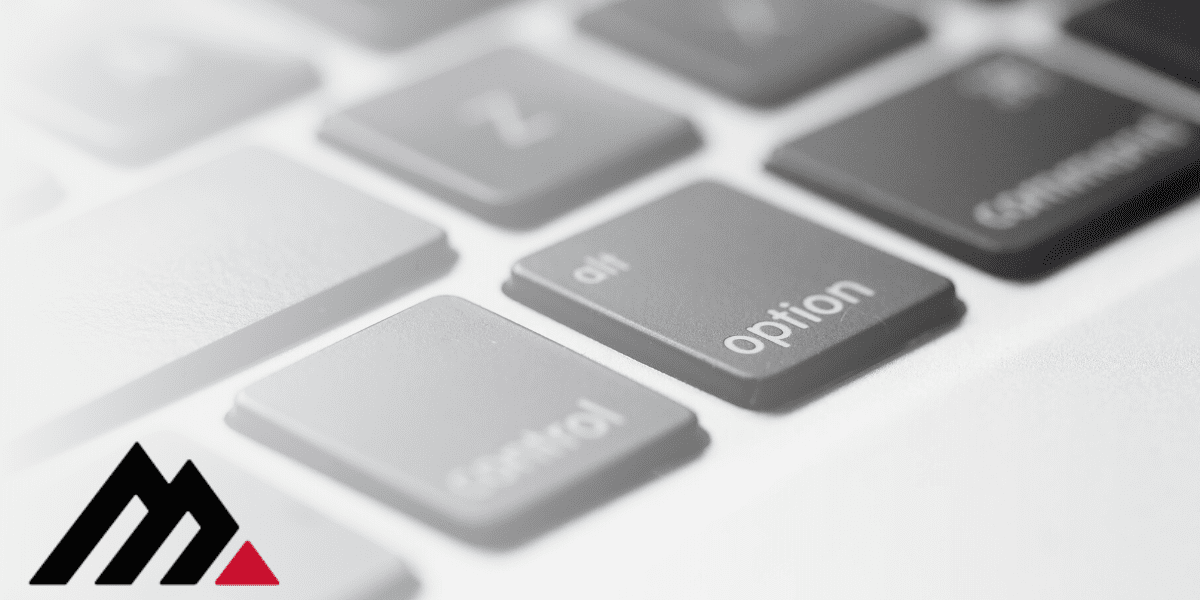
(131, 97)
(146, 299)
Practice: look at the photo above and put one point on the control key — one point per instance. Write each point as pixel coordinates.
(468, 421)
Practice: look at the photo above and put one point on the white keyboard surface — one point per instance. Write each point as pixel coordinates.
(1044, 446)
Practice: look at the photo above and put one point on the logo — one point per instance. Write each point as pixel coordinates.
(166, 503)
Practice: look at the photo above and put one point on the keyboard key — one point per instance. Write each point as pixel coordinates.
(1163, 34)
(25, 190)
(735, 297)
(1004, 164)
(390, 24)
(512, 138)
(146, 299)
(757, 51)
(468, 421)
(310, 557)
(133, 97)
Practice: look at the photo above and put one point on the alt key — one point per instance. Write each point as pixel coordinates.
(738, 298)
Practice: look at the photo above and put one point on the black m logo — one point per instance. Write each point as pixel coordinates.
(166, 503)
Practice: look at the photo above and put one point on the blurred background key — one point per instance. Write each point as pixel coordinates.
(757, 51)
(129, 307)
(511, 137)
(390, 24)
(1164, 34)
(133, 96)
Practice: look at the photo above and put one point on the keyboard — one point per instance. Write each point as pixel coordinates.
(356, 299)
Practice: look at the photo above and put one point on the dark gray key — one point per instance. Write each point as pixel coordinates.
(758, 51)
(311, 557)
(512, 138)
(1004, 164)
(1163, 34)
(146, 299)
(131, 97)
(391, 24)
(734, 296)
(468, 421)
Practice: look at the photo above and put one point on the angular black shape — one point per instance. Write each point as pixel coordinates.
(165, 503)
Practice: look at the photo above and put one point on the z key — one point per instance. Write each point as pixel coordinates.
(511, 137)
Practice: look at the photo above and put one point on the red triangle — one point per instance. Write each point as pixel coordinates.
(247, 568)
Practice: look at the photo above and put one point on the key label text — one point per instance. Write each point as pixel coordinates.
(599, 268)
(522, 457)
(788, 317)
(1126, 151)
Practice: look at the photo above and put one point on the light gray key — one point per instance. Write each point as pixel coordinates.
(310, 557)
(149, 298)
(758, 51)
(391, 24)
(511, 137)
(468, 421)
(131, 97)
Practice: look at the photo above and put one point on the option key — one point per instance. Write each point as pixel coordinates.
(735, 297)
